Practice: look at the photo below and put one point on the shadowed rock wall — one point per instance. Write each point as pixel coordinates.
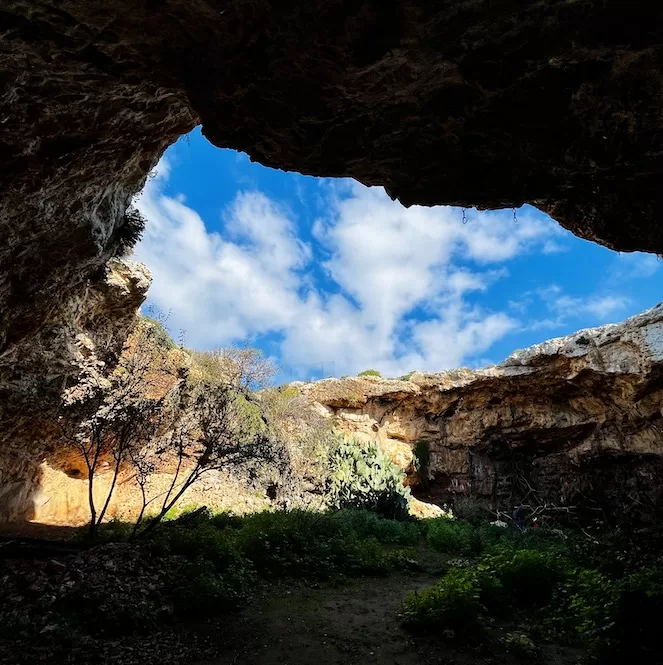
(473, 102)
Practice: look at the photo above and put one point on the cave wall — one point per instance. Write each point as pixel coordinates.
(573, 421)
(472, 102)
(78, 347)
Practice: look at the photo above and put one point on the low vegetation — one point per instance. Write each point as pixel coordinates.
(515, 591)
(198, 565)
(369, 372)
(560, 586)
(342, 512)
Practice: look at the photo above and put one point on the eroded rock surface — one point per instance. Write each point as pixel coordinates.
(68, 351)
(573, 420)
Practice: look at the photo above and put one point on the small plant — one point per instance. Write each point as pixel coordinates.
(364, 477)
(369, 372)
(156, 327)
(583, 606)
(530, 577)
(521, 645)
(366, 524)
(468, 508)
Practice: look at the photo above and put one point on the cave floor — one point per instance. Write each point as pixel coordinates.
(294, 623)
(352, 624)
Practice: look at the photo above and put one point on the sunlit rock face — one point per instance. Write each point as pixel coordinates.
(70, 350)
(575, 420)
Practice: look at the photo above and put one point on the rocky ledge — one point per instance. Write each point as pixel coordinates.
(575, 420)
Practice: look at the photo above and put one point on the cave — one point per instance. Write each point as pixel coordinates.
(482, 104)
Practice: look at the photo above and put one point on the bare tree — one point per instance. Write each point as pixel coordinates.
(108, 420)
(211, 435)
(243, 368)
(157, 410)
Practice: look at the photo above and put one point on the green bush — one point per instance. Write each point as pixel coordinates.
(452, 536)
(457, 602)
(158, 332)
(583, 606)
(198, 589)
(305, 544)
(470, 509)
(530, 577)
(200, 540)
(362, 476)
(366, 524)
(637, 616)
(369, 372)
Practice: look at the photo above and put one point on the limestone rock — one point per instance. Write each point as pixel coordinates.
(572, 418)
(469, 102)
(70, 351)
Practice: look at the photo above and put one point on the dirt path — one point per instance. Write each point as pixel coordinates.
(353, 624)
(357, 623)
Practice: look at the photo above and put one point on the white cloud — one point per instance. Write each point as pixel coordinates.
(221, 289)
(400, 276)
(565, 308)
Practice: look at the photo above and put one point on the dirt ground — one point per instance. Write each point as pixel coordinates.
(352, 624)
(347, 623)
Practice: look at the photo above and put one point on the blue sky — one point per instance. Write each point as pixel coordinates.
(330, 277)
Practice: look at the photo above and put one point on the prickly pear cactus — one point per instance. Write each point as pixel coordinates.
(362, 476)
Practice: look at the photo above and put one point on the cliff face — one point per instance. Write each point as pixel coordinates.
(472, 102)
(68, 350)
(575, 420)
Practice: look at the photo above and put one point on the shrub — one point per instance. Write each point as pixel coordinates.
(638, 616)
(456, 602)
(305, 544)
(583, 606)
(197, 541)
(453, 537)
(242, 368)
(530, 577)
(156, 329)
(364, 477)
(199, 589)
(470, 509)
(369, 372)
(366, 524)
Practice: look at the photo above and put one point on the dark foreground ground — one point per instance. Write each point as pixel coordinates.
(346, 587)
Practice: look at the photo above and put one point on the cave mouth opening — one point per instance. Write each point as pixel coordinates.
(330, 277)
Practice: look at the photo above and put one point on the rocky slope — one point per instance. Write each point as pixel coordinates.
(471, 102)
(575, 420)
